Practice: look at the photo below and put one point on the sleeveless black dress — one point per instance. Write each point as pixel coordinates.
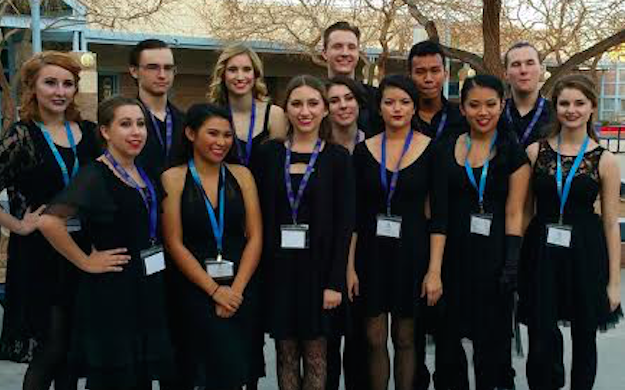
(120, 335)
(38, 278)
(221, 352)
(236, 154)
(391, 270)
(566, 284)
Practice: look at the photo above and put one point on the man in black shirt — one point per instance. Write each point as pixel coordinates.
(152, 66)
(526, 114)
(341, 50)
(436, 116)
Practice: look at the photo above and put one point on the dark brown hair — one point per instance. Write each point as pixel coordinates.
(325, 129)
(586, 86)
(339, 26)
(29, 109)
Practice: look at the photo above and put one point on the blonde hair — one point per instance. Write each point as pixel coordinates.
(217, 91)
(29, 109)
(587, 87)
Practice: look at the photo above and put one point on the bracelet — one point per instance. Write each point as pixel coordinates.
(215, 291)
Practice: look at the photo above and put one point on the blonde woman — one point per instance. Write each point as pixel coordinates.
(238, 83)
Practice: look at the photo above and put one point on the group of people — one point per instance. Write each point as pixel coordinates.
(162, 245)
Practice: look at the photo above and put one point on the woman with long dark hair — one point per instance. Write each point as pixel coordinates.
(213, 232)
(306, 190)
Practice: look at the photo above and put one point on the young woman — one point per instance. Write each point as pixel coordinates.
(482, 179)
(571, 256)
(120, 335)
(391, 239)
(39, 156)
(213, 231)
(238, 83)
(345, 97)
(307, 196)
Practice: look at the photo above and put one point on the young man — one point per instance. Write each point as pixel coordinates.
(153, 68)
(341, 50)
(526, 112)
(436, 117)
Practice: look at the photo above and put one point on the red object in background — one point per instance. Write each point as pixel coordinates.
(611, 129)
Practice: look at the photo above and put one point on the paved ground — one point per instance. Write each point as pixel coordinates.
(610, 376)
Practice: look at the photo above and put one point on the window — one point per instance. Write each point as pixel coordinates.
(607, 104)
(108, 85)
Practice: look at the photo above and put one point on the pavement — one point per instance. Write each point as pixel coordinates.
(610, 374)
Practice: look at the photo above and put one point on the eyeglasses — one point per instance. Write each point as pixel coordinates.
(156, 68)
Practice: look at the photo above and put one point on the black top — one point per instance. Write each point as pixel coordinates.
(391, 270)
(520, 123)
(153, 157)
(472, 263)
(369, 119)
(295, 279)
(454, 126)
(233, 155)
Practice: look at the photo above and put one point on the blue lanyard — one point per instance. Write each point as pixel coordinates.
(357, 138)
(294, 202)
(467, 167)
(57, 155)
(530, 127)
(245, 159)
(150, 204)
(169, 129)
(563, 193)
(218, 226)
(441, 124)
(390, 191)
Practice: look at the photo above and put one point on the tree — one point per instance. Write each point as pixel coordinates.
(100, 13)
(569, 33)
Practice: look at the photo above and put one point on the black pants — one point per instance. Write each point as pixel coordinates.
(545, 366)
(506, 372)
(354, 361)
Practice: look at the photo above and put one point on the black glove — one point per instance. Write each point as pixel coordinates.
(508, 278)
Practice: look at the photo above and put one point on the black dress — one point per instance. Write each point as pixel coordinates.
(391, 270)
(295, 280)
(472, 263)
(238, 150)
(120, 334)
(38, 278)
(561, 284)
(221, 351)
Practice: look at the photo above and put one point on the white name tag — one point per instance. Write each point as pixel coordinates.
(73, 225)
(153, 259)
(220, 269)
(388, 226)
(559, 235)
(294, 236)
(480, 224)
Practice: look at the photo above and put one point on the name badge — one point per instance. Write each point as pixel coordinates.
(388, 226)
(220, 269)
(153, 259)
(559, 235)
(294, 236)
(73, 225)
(480, 224)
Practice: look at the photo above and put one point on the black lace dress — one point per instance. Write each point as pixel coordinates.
(221, 351)
(38, 278)
(120, 337)
(566, 284)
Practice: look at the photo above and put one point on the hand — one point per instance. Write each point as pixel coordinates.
(30, 222)
(614, 296)
(99, 262)
(228, 298)
(353, 285)
(222, 312)
(331, 299)
(432, 288)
